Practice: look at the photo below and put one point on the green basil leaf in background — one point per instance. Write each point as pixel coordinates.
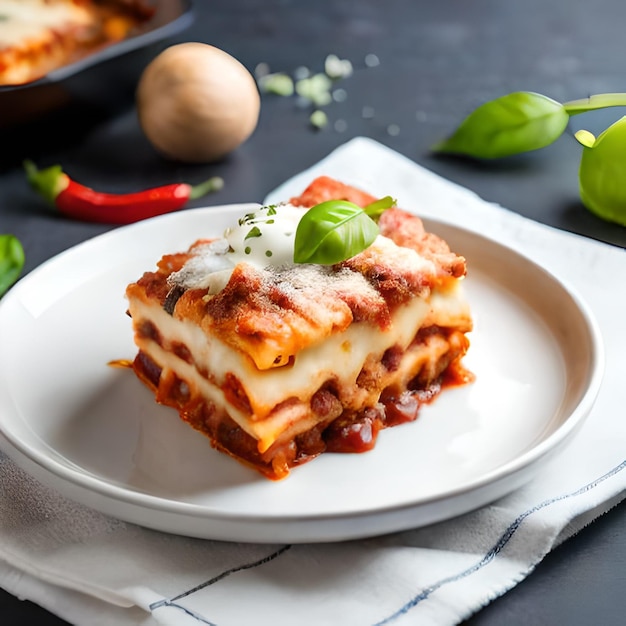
(11, 261)
(602, 172)
(333, 231)
(512, 124)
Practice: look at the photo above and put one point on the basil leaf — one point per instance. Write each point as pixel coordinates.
(11, 261)
(515, 123)
(333, 231)
(602, 172)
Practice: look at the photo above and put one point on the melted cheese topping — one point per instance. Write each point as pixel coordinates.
(289, 307)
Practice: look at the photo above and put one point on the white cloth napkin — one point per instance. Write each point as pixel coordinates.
(91, 569)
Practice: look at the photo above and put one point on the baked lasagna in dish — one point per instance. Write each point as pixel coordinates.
(38, 36)
(278, 362)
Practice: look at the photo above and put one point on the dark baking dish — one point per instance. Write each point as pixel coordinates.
(106, 79)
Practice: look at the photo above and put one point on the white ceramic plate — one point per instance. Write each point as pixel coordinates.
(95, 433)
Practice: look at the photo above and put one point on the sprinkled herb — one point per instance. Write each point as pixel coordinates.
(255, 231)
(247, 219)
(336, 67)
(279, 84)
(268, 253)
(318, 119)
(247, 250)
(315, 89)
(271, 210)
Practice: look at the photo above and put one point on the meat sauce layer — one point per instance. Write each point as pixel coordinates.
(350, 432)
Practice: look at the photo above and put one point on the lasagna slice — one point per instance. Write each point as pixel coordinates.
(279, 362)
(38, 36)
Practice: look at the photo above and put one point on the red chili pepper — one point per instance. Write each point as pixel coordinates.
(80, 202)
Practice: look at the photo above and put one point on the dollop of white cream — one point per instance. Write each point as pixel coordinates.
(262, 238)
(265, 236)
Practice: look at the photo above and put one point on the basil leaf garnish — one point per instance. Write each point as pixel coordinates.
(11, 261)
(512, 124)
(333, 231)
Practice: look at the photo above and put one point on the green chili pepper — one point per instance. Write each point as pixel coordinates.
(602, 172)
(11, 261)
(518, 122)
(333, 231)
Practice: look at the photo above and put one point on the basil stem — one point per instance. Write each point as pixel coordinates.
(514, 123)
(378, 207)
(11, 261)
(592, 103)
(333, 231)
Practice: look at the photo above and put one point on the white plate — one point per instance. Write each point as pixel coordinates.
(95, 433)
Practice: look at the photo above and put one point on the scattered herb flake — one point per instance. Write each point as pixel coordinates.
(255, 231)
(318, 119)
(336, 67)
(280, 84)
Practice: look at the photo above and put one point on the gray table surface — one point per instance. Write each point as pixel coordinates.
(438, 60)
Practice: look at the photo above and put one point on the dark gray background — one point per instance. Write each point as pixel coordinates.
(438, 61)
